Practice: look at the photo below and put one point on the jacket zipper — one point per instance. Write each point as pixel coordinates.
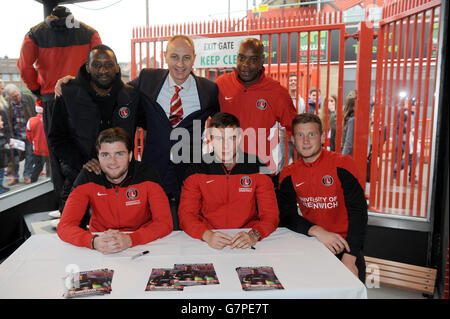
(227, 173)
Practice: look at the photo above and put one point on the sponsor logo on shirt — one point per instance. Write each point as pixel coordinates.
(319, 202)
(246, 182)
(327, 180)
(261, 104)
(124, 112)
(132, 193)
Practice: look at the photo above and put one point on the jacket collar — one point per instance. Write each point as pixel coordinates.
(316, 162)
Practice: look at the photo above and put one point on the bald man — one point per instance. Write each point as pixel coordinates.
(259, 102)
(174, 98)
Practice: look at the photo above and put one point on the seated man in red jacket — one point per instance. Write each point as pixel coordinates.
(128, 204)
(326, 188)
(227, 191)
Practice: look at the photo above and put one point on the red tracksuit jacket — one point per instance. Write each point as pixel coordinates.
(259, 106)
(48, 54)
(328, 194)
(36, 135)
(137, 205)
(213, 198)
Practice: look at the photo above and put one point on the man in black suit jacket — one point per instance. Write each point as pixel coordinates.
(165, 142)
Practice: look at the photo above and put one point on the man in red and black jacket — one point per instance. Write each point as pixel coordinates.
(56, 47)
(326, 187)
(228, 191)
(260, 103)
(129, 206)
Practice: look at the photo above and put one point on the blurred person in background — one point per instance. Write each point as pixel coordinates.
(348, 124)
(4, 137)
(293, 92)
(293, 84)
(314, 100)
(327, 115)
(21, 109)
(36, 136)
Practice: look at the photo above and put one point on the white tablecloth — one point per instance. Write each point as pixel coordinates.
(305, 268)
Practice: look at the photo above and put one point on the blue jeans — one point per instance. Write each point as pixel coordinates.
(2, 173)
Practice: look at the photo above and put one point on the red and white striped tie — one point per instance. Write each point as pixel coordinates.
(176, 109)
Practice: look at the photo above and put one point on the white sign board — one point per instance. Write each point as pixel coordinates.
(217, 52)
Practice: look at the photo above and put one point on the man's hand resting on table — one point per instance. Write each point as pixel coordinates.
(112, 241)
(336, 244)
(219, 240)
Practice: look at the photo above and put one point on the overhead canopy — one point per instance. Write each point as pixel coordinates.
(50, 4)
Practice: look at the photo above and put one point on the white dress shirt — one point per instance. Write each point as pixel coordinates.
(188, 95)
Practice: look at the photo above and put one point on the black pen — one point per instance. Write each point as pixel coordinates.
(253, 247)
(140, 254)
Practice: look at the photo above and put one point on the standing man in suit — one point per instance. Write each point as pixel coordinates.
(175, 98)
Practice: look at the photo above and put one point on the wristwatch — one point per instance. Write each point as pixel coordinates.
(255, 234)
(92, 241)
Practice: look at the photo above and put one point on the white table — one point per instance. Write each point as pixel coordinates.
(305, 268)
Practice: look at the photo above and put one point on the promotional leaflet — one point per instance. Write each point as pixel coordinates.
(258, 278)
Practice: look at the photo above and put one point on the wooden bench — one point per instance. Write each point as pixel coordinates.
(400, 275)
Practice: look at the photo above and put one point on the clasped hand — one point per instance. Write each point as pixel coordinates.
(112, 241)
(219, 240)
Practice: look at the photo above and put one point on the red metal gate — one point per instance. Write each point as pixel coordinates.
(298, 44)
(404, 108)
(302, 45)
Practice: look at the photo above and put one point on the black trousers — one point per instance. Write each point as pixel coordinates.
(56, 175)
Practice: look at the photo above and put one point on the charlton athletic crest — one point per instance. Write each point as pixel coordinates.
(124, 112)
(261, 104)
(132, 193)
(327, 180)
(246, 181)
